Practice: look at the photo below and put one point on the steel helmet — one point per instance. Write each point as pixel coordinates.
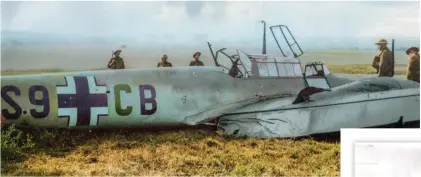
(381, 41)
(412, 49)
(197, 53)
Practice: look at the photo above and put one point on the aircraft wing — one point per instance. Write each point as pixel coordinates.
(217, 111)
(374, 102)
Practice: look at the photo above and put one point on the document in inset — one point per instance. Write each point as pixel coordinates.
(387, 159)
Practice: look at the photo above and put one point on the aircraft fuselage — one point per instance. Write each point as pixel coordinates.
(133, 97)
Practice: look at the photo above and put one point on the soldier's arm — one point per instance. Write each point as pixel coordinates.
(170, 64)
(157, 65)
(191, 63)
(408, 72)
(382, 67)
(124, 67)
(111, 62)
(375, 63)
(412, 73)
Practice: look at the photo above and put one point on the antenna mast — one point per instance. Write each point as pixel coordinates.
(264, 37)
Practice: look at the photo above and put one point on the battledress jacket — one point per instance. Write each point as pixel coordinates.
(386, 64)
(413, 69)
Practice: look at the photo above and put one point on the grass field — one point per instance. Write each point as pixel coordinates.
(182, 152)
(342, 69)
(85, 57)
(363, 69)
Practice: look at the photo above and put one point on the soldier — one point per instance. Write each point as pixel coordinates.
(196, 61)
(383, 62)
(116, 62)
(413, 69)
(164, 62)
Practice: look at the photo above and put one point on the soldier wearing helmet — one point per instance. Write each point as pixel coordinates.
(116, 62)
(383, 62)
(413, 68)
(196, 61)
(164, 62)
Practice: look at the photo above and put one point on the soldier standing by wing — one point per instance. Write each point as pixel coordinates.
(116, 62)
(413, 69)
(196, 61)
(384, 62)
(164, 62)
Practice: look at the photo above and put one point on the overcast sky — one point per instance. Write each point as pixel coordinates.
(212, 19)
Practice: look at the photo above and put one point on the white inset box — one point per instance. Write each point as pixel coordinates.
(387, 159)
(381, 152)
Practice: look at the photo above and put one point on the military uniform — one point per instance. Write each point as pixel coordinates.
(413, 68)
(384, 62)
(116, 63)
(164, 64)
(196, 63)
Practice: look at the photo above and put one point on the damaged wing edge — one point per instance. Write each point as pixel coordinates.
(217, 111)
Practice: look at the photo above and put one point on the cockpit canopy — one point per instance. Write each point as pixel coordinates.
(277, 67)
(315, 75)
(316, 69)
(244, 65)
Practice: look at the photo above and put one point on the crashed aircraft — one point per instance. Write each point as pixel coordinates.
(136, 97)
(226, 92)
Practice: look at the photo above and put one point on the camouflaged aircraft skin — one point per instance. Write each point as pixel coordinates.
(133, 97)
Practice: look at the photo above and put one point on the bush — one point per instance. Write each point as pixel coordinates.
(14, 143)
